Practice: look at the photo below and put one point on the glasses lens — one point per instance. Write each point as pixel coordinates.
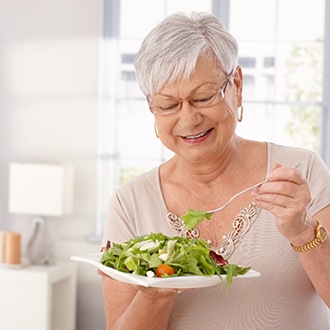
(205, 101)
(165, 107)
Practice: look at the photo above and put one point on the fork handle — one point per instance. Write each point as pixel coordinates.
(243, 191)
(239, 193)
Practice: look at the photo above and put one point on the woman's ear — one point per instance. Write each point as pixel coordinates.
(238, 82)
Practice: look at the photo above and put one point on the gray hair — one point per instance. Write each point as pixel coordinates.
(171, 50)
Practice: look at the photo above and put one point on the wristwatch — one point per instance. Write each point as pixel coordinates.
(320, 236)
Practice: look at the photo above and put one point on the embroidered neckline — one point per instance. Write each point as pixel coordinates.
(241, 225)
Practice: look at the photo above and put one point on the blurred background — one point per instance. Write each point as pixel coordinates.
(69, 95)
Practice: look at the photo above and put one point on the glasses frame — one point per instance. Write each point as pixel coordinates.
(220, 93)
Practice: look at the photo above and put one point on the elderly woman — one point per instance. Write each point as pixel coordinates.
(188, 70)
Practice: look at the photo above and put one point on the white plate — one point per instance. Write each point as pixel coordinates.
(183, 282)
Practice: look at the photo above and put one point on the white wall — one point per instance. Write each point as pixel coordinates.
(49, 53)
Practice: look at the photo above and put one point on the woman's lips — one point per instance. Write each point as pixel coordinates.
(198, 137)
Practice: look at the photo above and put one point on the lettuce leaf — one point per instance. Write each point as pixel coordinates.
(192, 218)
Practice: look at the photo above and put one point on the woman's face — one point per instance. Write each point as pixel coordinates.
(200, 134)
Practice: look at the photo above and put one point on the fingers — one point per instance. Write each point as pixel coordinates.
(287, 196)
(282, 193)
(157, 292)
(288, 173)
(286, 189)
(276, 165)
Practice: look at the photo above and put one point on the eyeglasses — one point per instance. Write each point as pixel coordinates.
(207, 97)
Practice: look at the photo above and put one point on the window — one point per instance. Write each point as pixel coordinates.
(269, 62)
(247, 62)
(282, 60)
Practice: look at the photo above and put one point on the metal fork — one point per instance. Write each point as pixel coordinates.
(242, 192)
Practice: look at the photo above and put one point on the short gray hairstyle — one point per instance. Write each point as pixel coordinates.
(171, 50)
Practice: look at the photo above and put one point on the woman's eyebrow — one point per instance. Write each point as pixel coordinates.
(192, 91)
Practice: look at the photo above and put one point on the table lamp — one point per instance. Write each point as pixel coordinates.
(40, 190)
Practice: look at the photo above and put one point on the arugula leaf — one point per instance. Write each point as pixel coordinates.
(233, 270)
(192, 218)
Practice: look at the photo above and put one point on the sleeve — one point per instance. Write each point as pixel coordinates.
(136, 208)
(117, 227)
(318, 176)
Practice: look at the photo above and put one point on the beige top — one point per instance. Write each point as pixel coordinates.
(282, 298)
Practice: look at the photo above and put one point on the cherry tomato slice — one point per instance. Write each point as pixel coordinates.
(164, 269)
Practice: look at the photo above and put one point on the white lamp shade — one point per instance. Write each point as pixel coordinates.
(40, 189)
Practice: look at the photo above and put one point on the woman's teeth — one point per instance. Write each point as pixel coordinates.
(196, 136)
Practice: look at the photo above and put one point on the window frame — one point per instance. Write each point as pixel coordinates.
(325, 120)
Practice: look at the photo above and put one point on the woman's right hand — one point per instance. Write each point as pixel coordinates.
(136, 307)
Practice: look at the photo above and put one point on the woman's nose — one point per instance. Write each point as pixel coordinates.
(189, 115)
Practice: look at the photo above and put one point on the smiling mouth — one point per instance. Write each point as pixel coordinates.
(198, 136)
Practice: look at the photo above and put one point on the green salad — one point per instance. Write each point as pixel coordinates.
(162, 256)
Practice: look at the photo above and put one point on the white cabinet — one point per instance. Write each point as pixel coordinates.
(38, 297)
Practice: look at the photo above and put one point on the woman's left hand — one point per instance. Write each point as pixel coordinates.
(287, 196)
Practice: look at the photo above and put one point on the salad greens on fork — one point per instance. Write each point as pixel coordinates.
(193, 217)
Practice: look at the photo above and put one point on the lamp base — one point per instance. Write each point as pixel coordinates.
(39, 248)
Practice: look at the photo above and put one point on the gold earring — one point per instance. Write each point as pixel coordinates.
(156, 130)
(240, 115)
